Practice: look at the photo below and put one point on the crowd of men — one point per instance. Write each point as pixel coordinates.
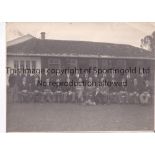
(85, 89)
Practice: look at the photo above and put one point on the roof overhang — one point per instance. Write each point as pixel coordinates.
(78, 56)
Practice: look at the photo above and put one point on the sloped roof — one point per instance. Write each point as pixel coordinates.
(38, 47)
(19, 40)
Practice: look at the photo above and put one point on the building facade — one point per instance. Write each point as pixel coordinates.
(33, 53)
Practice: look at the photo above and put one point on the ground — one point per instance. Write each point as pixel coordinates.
(72, 117)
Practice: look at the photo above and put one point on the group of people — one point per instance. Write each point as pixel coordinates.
(86, 89)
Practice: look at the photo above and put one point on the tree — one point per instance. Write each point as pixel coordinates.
(148, 42)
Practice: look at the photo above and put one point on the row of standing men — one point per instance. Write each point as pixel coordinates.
(27, 88)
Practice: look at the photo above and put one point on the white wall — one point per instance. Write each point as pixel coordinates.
(11, 59)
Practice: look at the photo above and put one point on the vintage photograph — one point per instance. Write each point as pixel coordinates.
(80, 77)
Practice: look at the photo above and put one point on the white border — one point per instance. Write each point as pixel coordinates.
(2, 79)
(72, 11)
(77, 10)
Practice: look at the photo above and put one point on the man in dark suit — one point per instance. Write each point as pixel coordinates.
(58, 88)
(12, 80)
(11, 88)
(47, 91)
(134, 93)
(36, 90)
(68, 90)
(123, 94)
(113, 89)
(24, 91)
(146, 95)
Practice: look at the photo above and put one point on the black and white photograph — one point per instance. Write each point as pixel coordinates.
(80, 76)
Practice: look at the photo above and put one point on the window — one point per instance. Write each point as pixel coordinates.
(72, 62)
(121, 63)
(27, 64)
(54, 63)
(139, 63)
(33, 64)
(93, 62)
(21, 64)
(104, 63)
(16, 64)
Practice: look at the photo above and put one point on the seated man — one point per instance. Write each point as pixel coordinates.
(47, 93)
(145, 96)
(24, 91)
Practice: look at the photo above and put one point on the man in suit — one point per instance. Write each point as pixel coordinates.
(36, 90)
(80, 91)
(123, 94)
(24, 91)
(58, 88)
(104, 93)
(47, 92)
(113, 89)
(11, 88)
(90, 92)
(134, 93)
(145, 96)
(68, 90)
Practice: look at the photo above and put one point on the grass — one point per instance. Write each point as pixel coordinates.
(49, 117)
